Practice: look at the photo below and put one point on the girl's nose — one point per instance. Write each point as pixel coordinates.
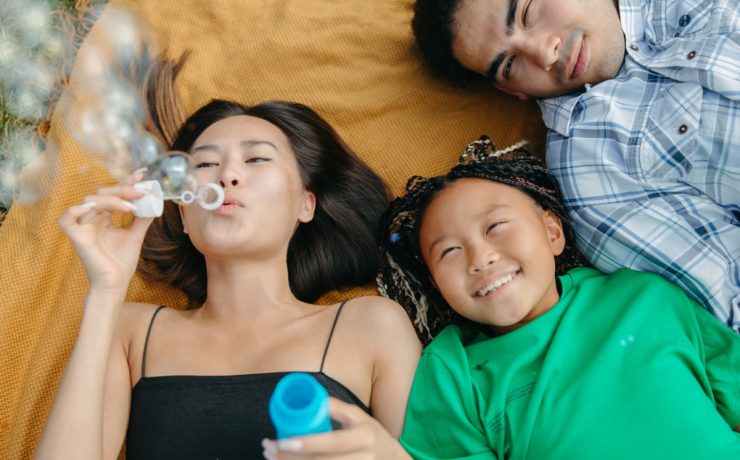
(481, 259)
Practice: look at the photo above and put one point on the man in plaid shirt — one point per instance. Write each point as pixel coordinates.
(642, 102)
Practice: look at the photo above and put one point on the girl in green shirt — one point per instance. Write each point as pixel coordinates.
(534, 355)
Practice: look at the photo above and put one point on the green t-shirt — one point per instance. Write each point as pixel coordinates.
(624, 366)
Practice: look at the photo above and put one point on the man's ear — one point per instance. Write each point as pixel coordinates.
(307, 207)
(555, 233)
(521, 96)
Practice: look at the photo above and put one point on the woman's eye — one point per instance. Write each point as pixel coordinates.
(205, 164)
(507, 67)
(445, 252)
(491, 227)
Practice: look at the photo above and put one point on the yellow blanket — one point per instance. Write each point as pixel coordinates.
(352, 60)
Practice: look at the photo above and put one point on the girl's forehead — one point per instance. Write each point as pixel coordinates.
(468, 200)
(470, 193)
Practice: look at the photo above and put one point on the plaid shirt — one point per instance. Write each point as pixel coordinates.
(649, 162)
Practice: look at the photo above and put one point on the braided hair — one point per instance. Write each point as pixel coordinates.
(405, 277)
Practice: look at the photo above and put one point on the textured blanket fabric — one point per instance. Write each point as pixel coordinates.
(353, 61)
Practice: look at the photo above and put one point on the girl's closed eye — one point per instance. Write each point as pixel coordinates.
(446, 251)
(494, 226)
(206, 164)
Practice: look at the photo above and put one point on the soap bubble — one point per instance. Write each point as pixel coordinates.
(175, 172)
(21, 150)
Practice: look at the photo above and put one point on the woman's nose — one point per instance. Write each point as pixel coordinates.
(228, 176)
(231, 181)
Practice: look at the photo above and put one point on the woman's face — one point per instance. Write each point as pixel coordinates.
(491, 252)
(265, 198)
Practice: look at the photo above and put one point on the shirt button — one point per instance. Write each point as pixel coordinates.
(691, 55)
(682, 129)
(684, 20)
(634, 47)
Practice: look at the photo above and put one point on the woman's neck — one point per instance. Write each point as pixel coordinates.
(245, 288)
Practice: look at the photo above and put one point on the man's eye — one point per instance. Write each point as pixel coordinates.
(491, 227)
(205, 164)
(507, 67)
(445, 252)
(257, 160)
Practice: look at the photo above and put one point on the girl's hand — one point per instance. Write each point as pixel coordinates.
(109, 254)
(361, 437)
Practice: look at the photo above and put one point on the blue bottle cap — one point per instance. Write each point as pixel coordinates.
(299, 405)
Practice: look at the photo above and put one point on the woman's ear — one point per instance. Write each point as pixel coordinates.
(182, 218)
(555, 233)
(308, 206)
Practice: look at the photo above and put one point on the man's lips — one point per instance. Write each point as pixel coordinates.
(578, 62)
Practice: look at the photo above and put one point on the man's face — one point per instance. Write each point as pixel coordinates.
(539, 48)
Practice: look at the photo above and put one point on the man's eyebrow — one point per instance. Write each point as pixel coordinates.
(493, 70)
(510, 16)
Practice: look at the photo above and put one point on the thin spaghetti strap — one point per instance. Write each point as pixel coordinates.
(146, 341)
(331, 334)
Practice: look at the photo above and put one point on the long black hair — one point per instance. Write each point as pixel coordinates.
(405, 277)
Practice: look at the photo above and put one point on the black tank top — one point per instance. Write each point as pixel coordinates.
(209, 417)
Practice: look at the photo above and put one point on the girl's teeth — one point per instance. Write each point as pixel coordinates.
(495, 285)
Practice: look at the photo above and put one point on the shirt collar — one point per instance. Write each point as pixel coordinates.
(557, 111)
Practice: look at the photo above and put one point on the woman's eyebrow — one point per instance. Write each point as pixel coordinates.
(245, 144)
(253, 142)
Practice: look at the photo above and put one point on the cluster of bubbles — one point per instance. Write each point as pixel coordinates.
(106, 113)
(33, 51)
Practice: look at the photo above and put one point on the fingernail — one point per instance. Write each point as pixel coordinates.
(140, 170)
(130, 205)
(269, 447)
(89, 204)
(290, 445)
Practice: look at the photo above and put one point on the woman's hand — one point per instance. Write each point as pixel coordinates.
(109, 254)
(361, 437)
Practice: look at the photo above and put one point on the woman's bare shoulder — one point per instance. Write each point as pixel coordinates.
(134, 319)
(373, 315)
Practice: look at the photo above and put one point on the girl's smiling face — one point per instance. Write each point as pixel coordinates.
(491, 252)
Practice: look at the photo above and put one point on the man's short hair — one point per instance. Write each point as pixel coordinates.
(433, 25)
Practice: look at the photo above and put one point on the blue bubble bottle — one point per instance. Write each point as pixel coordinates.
(299, 406)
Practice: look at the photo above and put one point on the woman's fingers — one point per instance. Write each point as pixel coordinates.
(124, 191)
(110, 203)
(359, 433)
(135, 177)
(71, 215)
(345, 413)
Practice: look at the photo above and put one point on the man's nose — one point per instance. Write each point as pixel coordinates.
(545, 50)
